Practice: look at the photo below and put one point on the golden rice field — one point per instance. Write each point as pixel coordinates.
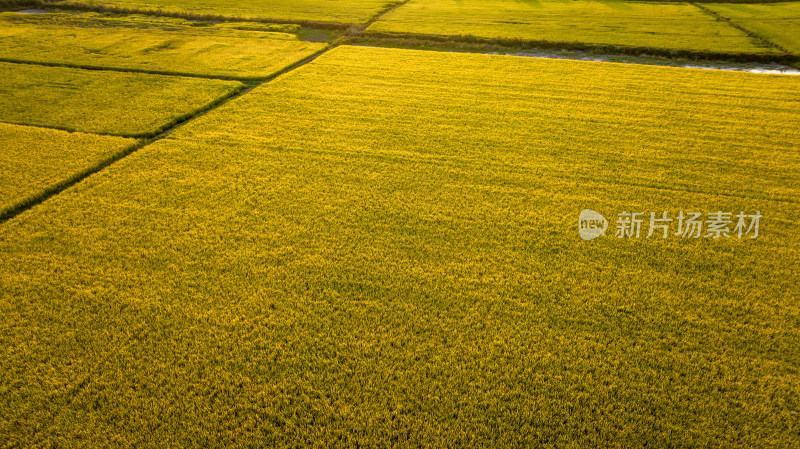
(36, 159)
(336, 11)
(662, 25)
(236, 50)
(105, 102)
(778, 22)
(379, 249)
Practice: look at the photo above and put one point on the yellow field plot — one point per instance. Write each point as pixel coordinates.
(551, 115)
(131, 104)
(777, 22)
(332, 11)
(34, 160)
(672, 26)
(380, 248)
(148, 44)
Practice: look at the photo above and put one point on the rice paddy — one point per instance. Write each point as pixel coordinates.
(238, 50)
(335, 11)
(35, 159)
(387, 255)
(128, 104)
(667, 25)
(214, 232)
(778, 22)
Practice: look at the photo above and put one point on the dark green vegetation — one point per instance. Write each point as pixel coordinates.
(386, 255)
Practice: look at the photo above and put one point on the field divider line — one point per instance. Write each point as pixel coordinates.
(132, 70)
(380, 14)
(55, 189)
(72, 130)
(752, 34)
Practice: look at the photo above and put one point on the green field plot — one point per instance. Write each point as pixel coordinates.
(100, 101)
(777, 22)
(673, 26)
(34, 160)
(156, 45)
(380, 248)
(335, 11)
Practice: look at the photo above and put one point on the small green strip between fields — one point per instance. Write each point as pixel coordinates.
(125, 70)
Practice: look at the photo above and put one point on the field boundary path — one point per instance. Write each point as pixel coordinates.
(133, 70)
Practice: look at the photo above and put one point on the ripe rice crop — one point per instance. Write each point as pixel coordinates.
(777, 22)
(35, 159)
(380, 249)
(152, 45)
(130, 104)
(672, 26)
(334, 11)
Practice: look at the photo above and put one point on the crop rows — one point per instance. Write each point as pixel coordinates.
(387, 254)
(137, 43)
(625, 24)
(35, 159)
(711, 30)
(121, 95)
(778, 22)
(331, 11)
(119, 103)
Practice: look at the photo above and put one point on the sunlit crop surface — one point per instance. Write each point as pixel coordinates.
(778, 22)
(338, 11)
(35, 159)
(232, 50)
(380, 248)
(666, 25)
(102, 101)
